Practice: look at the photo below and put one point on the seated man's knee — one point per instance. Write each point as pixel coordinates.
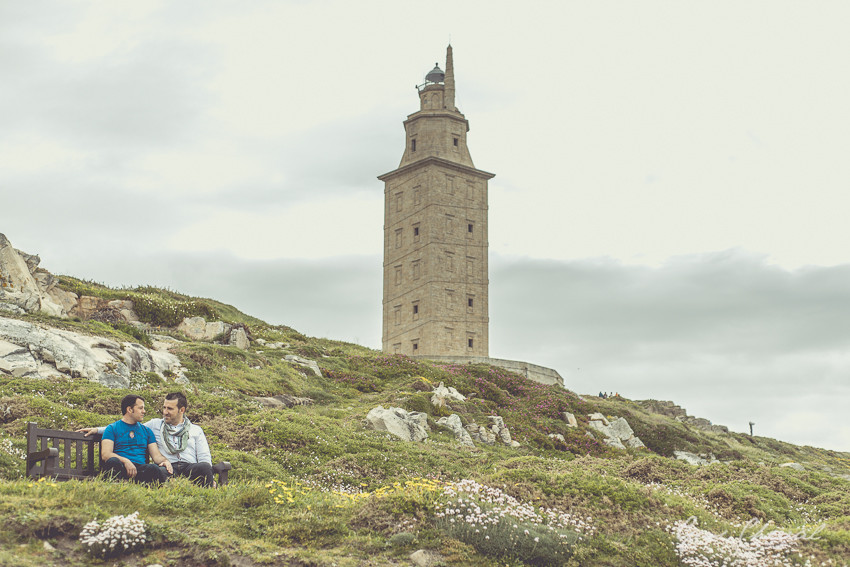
(114, 467)
(203, 472)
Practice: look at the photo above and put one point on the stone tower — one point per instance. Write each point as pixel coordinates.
(435, 233)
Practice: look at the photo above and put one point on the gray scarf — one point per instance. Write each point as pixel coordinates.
(180, 431)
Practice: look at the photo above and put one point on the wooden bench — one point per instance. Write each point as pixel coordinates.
(66, 455)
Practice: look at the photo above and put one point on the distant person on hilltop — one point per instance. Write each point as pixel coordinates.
(182, 443)
(126, 442)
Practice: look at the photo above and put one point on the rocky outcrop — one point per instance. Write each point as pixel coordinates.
(497, 431)
(30, 350)
(678, 413)
(100, 309)
(24, 287)
(441, 394)
(426, 558)
(408, 426)
(199, 329)
(570, 419)
(697, 460)
(239, 338)
(454, 423)
(275, 345)
(618, 433)
(305, 362)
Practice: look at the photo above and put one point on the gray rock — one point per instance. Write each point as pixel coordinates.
(409, 426)
(197, 328)
(239, 338)
(454, 423)
(426, 558)
(311, 364)
(497, 426)
(618, 433)
(497, 431)
(570, 419)
(11, 308)
(598, 417)
(32, 350)
(441, 394)
(481, 434)
(620, 428)
(558, 437)
(19, 284)
(604, 428)
(795, 466)
(694, 459)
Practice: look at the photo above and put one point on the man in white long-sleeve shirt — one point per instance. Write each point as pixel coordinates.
(179, 440)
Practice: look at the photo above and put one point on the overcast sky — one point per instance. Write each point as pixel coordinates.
(668, 217)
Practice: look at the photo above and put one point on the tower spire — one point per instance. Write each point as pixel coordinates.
(450, 80)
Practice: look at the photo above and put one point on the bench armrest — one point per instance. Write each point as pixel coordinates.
(221, 468)
(49, 456)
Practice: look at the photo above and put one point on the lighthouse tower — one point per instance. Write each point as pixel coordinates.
(435, 233)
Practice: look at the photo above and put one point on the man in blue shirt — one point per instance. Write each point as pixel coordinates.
(125, 443)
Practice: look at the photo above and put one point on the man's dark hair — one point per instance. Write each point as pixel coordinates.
(128, 401)
(181, 399)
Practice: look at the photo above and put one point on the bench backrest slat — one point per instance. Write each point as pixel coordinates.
(76, 452)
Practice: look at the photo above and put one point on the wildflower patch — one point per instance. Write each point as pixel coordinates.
(697, 547)
(498, 524)
(116, 535)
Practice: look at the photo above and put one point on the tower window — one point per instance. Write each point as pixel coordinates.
(416, 232)
(413, 145)
(454, 142)
(469, 343)
(415, 346)
(415, 309)
(469, 301)
(469, 227)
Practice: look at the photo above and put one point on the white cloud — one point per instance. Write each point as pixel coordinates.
(306, 229)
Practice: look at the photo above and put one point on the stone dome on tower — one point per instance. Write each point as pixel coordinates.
(435, 75)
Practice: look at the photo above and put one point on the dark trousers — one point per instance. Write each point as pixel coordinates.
(199, 473)
(146, 472)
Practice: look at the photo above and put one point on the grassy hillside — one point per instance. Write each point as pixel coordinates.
(311, 485)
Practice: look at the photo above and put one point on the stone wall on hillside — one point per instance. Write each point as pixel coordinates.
(531, 371)
(679, 413)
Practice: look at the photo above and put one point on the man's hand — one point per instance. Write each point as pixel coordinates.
(131, 469)
(87, 430)
(167, 464)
